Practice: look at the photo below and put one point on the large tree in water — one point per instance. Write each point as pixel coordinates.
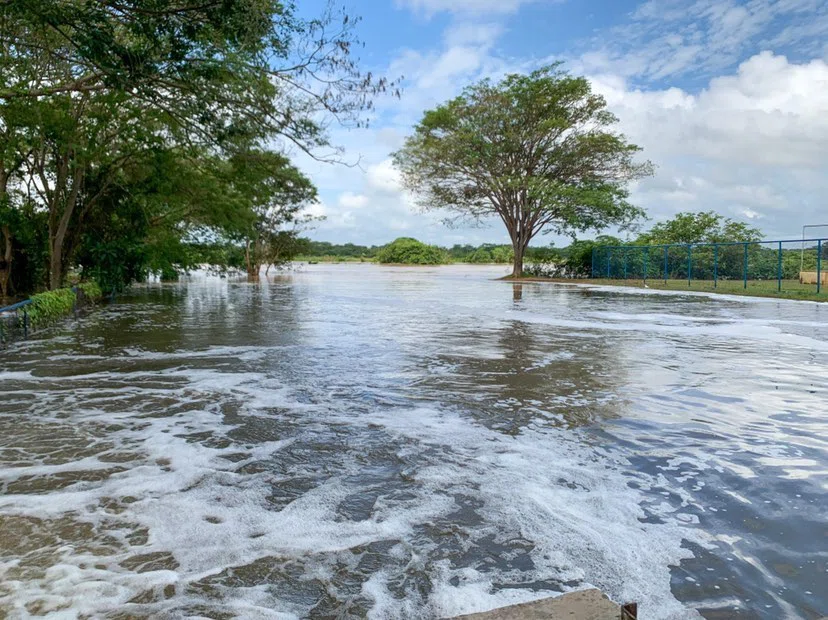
(539, 151)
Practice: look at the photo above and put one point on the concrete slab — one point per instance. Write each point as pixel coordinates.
(581, 605)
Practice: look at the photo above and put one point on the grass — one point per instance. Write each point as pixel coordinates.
(791, 289)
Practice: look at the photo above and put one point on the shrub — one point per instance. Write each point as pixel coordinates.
(481, 255)
(91, 290)
(408, 251)
(551, 268)
(48, 307)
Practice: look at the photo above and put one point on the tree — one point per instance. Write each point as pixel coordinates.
(538, 151)
(276, 191)
(701, 227)
(92, 92)
(408, 251)
(216, 67)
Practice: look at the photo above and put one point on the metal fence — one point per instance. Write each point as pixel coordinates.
(794, 266)
(15, 316)
(15, 322)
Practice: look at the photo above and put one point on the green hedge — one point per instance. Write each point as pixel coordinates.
(48, 307)
(91, 290)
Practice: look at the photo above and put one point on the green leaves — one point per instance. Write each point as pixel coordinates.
(701, 227)
(408, 251)
(140, 126)
(539, 151)
(46, 308)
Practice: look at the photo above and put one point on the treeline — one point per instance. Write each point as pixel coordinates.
(645, 256)
(573, 260)
(576, 260)
(137, 141)
(458, 253)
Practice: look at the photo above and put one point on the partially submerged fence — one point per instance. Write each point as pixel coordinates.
(43, 309)
(799, 266)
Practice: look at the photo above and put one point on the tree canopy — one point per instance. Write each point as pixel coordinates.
(701, 227)
(130, 130)
(408, 251)
(537, 151)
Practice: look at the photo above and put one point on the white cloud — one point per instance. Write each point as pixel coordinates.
(384, 177)
(349, 200)
(669, 38)
(744, 145)
(477, 7)
(771, 112)
(749, 140)
(316, 210)
(456, 61)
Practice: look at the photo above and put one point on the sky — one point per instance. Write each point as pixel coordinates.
(728, 98)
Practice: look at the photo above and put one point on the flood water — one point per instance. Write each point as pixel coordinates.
(358, 441)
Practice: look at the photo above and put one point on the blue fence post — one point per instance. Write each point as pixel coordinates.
(646, 263)
(689, 263)
(819, 266)
(609, 258)
(665, 264)
(744, 271)
(592, 271)
(779, 269)
(26, 322)
(716, 265)
(626, 252)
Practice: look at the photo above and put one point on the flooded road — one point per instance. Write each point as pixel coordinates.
(351, 441)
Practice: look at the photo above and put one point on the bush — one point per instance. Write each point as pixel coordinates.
(481, 255)
(408, 251)
(552, 268)
(48, 307)
(90, 290)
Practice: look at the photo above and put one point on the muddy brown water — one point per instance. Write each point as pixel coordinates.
(352, 441)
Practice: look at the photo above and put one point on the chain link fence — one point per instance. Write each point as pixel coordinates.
(797, 268)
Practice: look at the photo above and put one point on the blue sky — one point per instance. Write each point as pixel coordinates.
(728, 98)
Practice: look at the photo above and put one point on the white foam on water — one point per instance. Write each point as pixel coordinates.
(592, 532)
(15, 376)
(760, 331)
(571, 501)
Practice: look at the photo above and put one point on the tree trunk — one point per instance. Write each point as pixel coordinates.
(6, 256)
(519, 247)
(57, 234)
(253, 261)
(56, 266)
(5, 261)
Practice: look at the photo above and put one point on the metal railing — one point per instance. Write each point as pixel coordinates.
(795, 265)
(10, 315)
(12, 311)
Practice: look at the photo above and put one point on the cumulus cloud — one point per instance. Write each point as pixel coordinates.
(477, 7)
(749, 140)
(384, 177)
(740, 145)
(349, 200)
